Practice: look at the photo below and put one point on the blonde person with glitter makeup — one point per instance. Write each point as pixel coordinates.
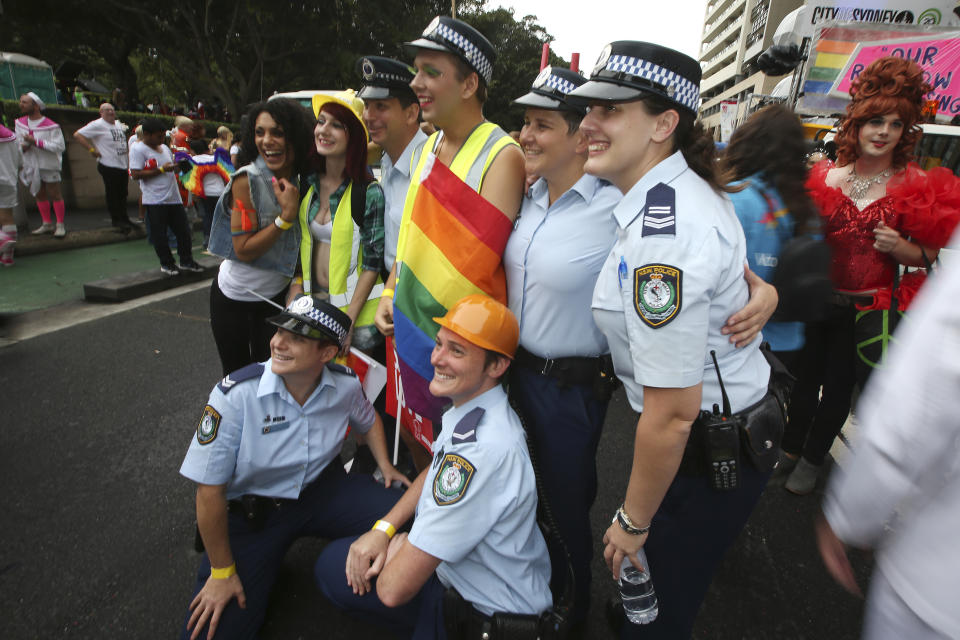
(879, 211)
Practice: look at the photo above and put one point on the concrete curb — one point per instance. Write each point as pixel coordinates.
(30, 245)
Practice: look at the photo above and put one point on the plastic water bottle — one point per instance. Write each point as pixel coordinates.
(636, 591)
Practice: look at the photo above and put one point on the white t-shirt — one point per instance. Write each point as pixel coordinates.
(109, 140)
(159, 189)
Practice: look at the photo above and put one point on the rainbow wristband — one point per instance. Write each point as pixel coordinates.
(224, 573)
(386, 527)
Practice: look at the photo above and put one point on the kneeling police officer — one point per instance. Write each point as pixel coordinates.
(265, 460)
(474, 564)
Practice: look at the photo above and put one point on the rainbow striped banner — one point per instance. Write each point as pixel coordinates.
(454, 243)
(192, 179)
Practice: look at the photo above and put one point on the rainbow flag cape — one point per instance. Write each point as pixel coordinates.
(192, 179)
(454, 243)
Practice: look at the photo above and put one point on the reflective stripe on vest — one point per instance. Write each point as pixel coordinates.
(345, 255)
(470, 164)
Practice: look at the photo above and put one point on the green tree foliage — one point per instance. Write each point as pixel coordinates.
(237, 51)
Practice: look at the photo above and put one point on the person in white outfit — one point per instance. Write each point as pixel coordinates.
(42, 144)
(10, 160)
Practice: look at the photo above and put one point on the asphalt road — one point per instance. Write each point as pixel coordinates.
(97, 525)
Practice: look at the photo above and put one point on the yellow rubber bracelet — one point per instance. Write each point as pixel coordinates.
(283, 224)
(386, 527)
(162, 170)
(387, 293)
(224, 573)
(298, 281)
(92, 150)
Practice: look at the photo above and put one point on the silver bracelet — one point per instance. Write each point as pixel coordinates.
(621, 518)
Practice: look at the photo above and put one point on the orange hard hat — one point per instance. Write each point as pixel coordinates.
(484, 322)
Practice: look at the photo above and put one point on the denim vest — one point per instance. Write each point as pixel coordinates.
(282, 256)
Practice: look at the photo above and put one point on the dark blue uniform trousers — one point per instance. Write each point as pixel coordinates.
(564, 423)
(419, 619)
(691, 530)
(335, 505)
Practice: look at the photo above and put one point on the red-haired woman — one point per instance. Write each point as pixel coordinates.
(341, 218)
(879, 211)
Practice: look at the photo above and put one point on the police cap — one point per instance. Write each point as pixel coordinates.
(384, 78)
(550, 89)
(313, 318)
(457, 37)
(628, 70)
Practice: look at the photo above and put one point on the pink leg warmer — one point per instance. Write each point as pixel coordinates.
(59, 210)
(44, 206)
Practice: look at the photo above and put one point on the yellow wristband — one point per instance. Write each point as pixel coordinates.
(387, 293)
(386, 527)
(224, 573)
(162, 170)
(283, 224)
(92, 150)
(298, 281)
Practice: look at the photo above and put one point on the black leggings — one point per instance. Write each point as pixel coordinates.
(827, 359)
(240, 328)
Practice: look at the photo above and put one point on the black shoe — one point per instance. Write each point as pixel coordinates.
(170, 270)
(191, 266)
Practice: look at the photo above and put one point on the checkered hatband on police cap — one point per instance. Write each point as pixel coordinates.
(679, 88)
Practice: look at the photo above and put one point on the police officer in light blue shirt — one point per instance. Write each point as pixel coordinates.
(673, 278)
(392, 115)
(266, 462)
(475, 542)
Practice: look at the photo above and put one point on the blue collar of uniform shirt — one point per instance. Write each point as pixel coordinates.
(272, 383)
(403, 162)
(488, 399)
(635, 200)
(585, 187)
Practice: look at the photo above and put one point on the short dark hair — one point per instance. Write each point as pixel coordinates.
(573, 120)
(198, 146)
(152, 125)
(464, 70)
(297, 124)
(491, 357)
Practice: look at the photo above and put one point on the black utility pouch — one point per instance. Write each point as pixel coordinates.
(761, 432)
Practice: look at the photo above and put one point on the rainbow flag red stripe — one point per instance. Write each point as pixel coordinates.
(454, 245)
(192, 180)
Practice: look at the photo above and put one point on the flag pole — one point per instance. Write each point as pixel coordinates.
(396, 431)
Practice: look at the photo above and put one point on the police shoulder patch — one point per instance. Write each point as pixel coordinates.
(209, 425)
(452, 480)
(339, 368)
(657, 293)
(248, 372)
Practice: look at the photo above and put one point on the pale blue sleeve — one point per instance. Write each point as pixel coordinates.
(214, 463)
(362, 414)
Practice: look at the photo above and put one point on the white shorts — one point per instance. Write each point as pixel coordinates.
(8, 196)
(50, 175)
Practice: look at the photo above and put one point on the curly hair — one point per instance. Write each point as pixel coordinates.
(297, 125)
(887, 85)
(356, 166)
(771, 143)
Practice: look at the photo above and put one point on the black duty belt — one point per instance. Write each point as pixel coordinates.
(255, 509)
(572, 370)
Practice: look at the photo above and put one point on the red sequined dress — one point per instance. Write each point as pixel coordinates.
(924, 206)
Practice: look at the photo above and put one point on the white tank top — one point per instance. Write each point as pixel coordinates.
(321, 232)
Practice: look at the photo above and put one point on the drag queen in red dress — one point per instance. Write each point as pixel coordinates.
(879, 211)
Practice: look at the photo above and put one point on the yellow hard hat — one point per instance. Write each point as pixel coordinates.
(347, 98)
(484, 322)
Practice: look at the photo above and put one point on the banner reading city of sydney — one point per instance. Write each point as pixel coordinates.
(454, 243)
(938, 55)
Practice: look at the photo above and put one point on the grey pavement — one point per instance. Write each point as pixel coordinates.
(97, 524)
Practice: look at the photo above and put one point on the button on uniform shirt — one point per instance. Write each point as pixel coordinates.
(266, 443)
(110, 140)
(552, 260)
(709, 252)
(395, 179)
(477, 512)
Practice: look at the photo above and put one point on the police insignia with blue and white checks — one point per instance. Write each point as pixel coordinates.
(657, 293)
(659, 213)
(452, 480)
(208, 426)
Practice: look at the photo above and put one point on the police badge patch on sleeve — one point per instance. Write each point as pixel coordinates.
(657, 293)
(209, 425)
(452, 480)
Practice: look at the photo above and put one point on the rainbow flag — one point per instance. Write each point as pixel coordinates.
(454, 243)
(192, 179)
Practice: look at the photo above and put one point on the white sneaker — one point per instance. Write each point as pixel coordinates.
(46, 227)
(6, 241)
(60, 232)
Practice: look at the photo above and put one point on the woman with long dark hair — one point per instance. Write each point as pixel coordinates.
(879, 211)
(254, 228)
(341, 219)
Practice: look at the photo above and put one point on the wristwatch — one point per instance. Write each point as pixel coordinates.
(621, 518)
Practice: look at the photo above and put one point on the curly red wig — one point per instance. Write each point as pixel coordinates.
(887, 85)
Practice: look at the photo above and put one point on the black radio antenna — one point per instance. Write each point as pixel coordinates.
(723, 392)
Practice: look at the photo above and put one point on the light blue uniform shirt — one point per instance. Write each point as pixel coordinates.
(709, 251)
(552, 260)
(395, 179)
(267, 444)
(485, 532)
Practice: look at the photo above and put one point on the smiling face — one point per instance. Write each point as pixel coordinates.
(459, 368)
(437, 85)
(879, 136)
(108, 113)
(293, 354)
(548, 145)
(389, 123)
(330, 135)
(272, 145)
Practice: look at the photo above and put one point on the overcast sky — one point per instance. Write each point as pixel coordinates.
(587, 26)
